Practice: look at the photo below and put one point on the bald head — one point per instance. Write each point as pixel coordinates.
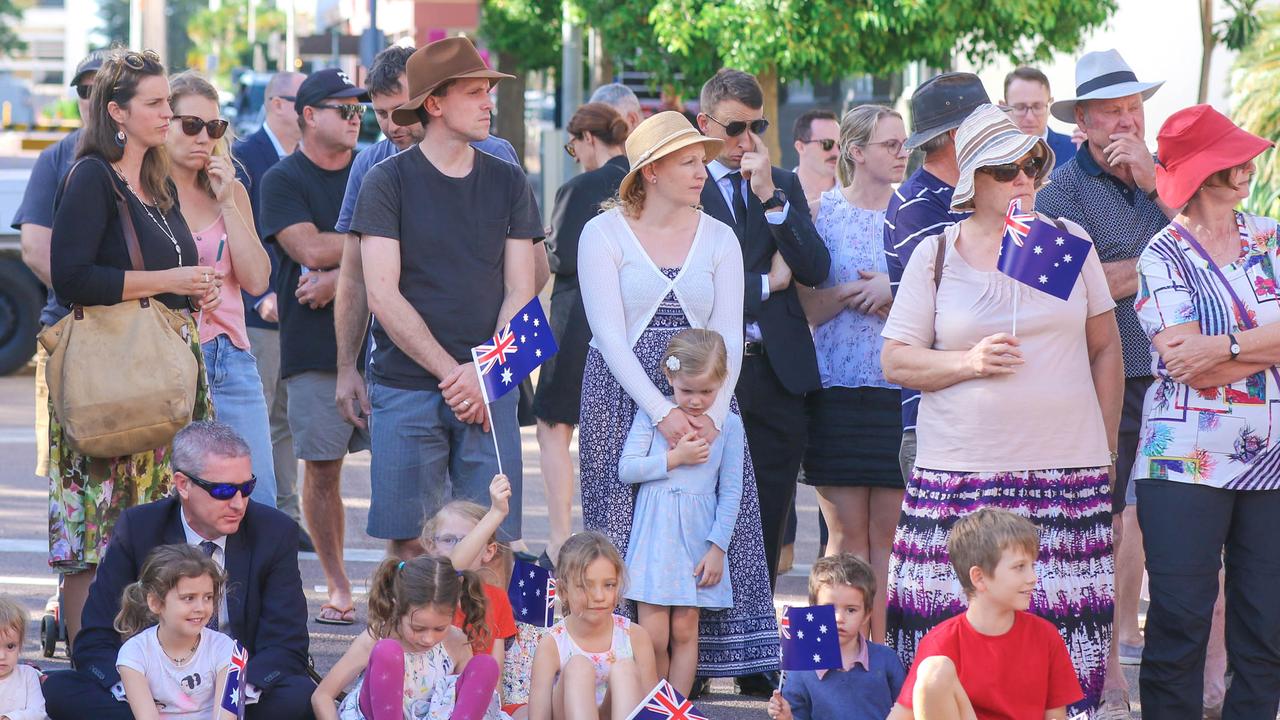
(281, 116)
(284, 83)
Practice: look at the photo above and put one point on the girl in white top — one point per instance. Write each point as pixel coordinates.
(172, 665)
(20, 695)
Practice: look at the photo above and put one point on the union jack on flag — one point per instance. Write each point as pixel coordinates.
(665, 703)
(233, 695)
(514, 352)
(551, 597)
(532, 592)
(785, 625)
(1017, 224)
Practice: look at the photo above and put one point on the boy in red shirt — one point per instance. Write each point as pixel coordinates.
(995, 661)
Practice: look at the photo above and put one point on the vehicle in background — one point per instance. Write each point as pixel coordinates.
(21, 294)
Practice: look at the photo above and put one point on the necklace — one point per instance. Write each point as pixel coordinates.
(182, 660)
(164, 228)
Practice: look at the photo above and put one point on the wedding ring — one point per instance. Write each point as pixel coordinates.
(466, 403)
(206, 277)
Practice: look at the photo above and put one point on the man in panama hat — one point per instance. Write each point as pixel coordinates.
(447, 239)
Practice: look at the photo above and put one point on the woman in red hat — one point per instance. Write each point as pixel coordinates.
(1208, 463)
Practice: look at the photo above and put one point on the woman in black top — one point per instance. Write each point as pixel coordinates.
(122, 148)
(596, 136)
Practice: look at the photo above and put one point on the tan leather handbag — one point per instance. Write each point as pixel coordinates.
(122, 378)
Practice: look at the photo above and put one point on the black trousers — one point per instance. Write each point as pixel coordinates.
(75, 695)
(776, 431)
(1189, 532)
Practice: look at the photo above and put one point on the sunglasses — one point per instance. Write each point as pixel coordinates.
(222, 491)
(345, 111)
(1031, 167)
(568, 147)
(139, 60)
(826, 143)
(737, 127)
(84, 91)
(192, 125)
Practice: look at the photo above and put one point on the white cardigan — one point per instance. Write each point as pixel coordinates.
(622, 289)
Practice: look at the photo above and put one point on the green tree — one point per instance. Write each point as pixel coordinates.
(221, 33)
(525, 35)
(1255, 77)
(10, 16)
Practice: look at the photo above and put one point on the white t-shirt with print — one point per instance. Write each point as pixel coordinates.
(180, 691)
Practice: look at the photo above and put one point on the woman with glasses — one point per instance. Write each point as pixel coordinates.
(855, 420)
(1023, 419)
(596, 136)
(216, 206)
(121, 155)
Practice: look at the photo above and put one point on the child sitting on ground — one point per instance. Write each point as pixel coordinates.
(872, 674)
(995, 660)
(20, 696)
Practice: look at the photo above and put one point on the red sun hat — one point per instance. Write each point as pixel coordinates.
(1195, 143)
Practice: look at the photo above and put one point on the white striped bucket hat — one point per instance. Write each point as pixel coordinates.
(986, 138)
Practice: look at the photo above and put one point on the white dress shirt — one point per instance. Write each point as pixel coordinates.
(219, 558)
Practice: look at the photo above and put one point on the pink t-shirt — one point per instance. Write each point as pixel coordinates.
(228, 318)
(1043, 416)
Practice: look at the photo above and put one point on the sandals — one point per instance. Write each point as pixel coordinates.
(346, 616)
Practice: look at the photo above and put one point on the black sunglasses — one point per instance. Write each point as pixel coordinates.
(84, 90)
(737, 127)
(222, 491)
(192, 125)
(345, 111)
(1031, 167)
(826, 143)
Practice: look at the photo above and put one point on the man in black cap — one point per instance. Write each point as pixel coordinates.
(301, 196)
(921, 207)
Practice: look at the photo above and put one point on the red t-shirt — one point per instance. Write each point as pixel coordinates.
(1015, 676)
(498, 616)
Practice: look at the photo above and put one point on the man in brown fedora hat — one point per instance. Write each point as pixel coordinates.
(446, 239)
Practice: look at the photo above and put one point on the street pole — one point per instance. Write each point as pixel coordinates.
(290, 38)
(570, 76)
(371, 41)
(135, 24)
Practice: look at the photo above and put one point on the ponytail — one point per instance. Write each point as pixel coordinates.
(135, 615)
(398, 587)
(474, 607)
(382, 599)
(164, 567)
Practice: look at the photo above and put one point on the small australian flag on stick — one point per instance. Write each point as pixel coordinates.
(664, 702)
(1040, 254)
(233, 694)
(532, 593)
(515, 352)
(810, 638)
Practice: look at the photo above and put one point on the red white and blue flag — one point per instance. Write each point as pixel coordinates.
(514, 352)
(1017, 224)
(233, 694)
(810, 638)
(1040, 254)
(532, 592)
(665, 703)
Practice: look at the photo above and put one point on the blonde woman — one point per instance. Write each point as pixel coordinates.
(855, 420)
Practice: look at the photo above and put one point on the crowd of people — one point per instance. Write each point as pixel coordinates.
(995, 466)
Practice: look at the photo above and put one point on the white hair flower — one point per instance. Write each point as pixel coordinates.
(673, 363)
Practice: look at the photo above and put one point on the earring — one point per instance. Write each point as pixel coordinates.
(120, 138)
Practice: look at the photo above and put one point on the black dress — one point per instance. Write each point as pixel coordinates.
(559, 393)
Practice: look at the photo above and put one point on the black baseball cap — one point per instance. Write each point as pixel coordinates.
(91, 63)
(324, 84)
(941, 103)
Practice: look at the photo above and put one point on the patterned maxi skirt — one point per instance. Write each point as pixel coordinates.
(738, 641)
(87, 495)
(1071, 508)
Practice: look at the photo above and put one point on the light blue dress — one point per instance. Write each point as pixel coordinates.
(679, 514)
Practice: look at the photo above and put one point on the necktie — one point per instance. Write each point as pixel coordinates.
(208, 546)
(739, 203)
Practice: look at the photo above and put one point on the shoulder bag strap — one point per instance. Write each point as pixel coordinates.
(939, 259)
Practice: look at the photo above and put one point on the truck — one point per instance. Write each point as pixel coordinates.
(22, 295)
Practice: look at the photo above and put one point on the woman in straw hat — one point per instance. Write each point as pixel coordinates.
(1208, 467)
(1026, 422)
(659, 265)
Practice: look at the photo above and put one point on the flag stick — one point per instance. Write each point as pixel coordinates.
(493, 428)
(1016, 292)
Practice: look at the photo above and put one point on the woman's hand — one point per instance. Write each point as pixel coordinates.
(1187, 356)
(711, 568)
(210, 300)
(675, 426)
(870, 294)
(192, 281)
(222, 180)
(994, 355)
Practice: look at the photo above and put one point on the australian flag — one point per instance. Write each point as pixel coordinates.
(665, 703)
(233, 695)
(511, 355)
(532, 593)
(1040, 254)
(810, 638)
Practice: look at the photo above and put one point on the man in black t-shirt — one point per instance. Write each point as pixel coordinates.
(446, 237)
(301, 196)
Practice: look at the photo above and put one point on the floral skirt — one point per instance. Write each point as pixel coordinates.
(87, 495)
(1075, 591)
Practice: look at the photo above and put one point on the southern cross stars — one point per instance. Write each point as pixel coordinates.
(506, 376)
(1043, 279)
(1037, 250)
(1066, 258)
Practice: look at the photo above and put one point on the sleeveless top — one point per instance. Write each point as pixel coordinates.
(619, 649)
(228, 318)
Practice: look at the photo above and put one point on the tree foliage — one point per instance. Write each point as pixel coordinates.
(10, 16)
(527, 31)
(222, 34)
(1255, 77)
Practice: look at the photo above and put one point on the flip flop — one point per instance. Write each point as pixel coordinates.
(342, 618)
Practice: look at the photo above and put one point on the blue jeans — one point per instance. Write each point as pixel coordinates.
(420, 448)
(238, 402)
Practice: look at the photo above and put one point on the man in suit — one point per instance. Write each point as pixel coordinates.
(766, 207)
(255, 545)
(255, 155)
(1027, 99)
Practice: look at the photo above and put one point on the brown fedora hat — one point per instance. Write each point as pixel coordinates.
(435, 64)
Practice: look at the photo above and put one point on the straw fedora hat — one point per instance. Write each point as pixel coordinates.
(435, 64)
(988, 137)
(1197, 142)
(659, 136)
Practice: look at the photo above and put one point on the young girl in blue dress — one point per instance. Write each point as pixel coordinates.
(685, 510)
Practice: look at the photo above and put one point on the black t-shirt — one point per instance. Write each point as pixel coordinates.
(453, 234)
(296, 191)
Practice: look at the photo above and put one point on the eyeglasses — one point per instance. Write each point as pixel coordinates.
(1023, 108)
(222, 490)
(893, 146)
(737, 127)
(84, 90)
(568, 147)
(192, 125)
(826, 143)
(139, 60)
(345, 111)
(446, 541)
(1031, 167)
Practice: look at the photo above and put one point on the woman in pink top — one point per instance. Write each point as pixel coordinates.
(1025, 421)
(216, 208)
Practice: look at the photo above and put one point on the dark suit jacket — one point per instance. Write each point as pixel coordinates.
(254, 157)
(1063, 148)
(266, 610)
(785, 332)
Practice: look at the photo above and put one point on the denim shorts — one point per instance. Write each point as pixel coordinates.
(236, 389)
